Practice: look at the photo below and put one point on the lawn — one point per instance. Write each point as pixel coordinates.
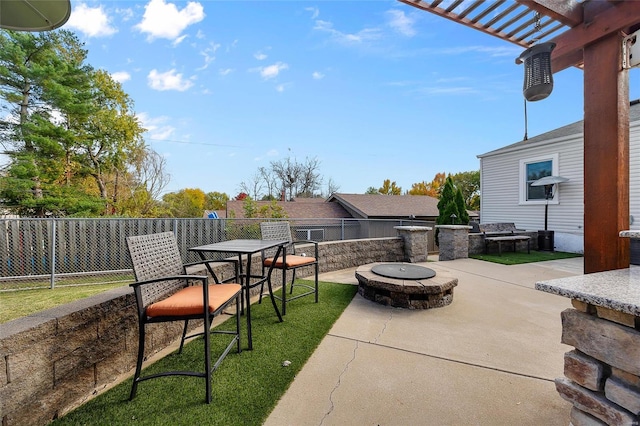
(246, 386)
(20, 303)
(511, 258)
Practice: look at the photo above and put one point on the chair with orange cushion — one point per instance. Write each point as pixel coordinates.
(165, 293)
(291, 261)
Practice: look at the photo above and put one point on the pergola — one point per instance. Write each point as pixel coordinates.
(588, 34)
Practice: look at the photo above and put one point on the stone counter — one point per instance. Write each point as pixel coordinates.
(602, 373)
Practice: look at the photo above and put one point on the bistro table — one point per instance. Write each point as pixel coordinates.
(246, 247)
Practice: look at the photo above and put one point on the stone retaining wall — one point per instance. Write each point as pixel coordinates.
(52, 361)
(602, 374)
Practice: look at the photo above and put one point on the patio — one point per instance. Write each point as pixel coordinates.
(488, 358)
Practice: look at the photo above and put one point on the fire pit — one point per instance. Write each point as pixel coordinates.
(405, 285)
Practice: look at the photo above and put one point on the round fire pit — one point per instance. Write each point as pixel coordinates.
(405, 285)
(403, 271)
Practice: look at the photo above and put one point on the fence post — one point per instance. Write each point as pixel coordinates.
(52, 256)
(341, 229)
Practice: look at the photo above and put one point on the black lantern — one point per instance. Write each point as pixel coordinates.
(538, 79)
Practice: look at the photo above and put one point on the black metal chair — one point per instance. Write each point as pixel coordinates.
(289, 262)
(165, 293)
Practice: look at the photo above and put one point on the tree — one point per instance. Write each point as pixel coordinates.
(254, 186)
(69, 131)
(332, 188)
(298, 179)
(187, 202)
(469, 184)
(372, 191)
(447, 207)
(390, 188)
(463, 215)
(420, 188)
(143, 184)
(215, 200)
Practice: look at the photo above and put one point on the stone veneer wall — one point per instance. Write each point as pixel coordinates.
(52, 361)
(602, 373)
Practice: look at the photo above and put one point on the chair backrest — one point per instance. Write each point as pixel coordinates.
(276, 231)
(156, 256)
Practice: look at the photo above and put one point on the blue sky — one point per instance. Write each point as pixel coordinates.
(374, 90)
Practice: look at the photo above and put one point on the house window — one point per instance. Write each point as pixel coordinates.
(532, 169)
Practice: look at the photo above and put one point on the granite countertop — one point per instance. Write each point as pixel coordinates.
(618, 290)
(630, 234)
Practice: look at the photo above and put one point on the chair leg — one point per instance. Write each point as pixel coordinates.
(238, 322)
(293, 278)
(184, 334)
(316, 282)
(284, 291)
(136, 376)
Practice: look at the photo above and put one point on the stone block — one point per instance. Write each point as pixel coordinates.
(587, 308)
(580, 418)
(624, 395)
(616, 316)
(611, 343)
(626, 377)
(585, 370)
(594, 403)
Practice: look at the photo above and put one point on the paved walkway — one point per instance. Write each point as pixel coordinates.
(489, 358)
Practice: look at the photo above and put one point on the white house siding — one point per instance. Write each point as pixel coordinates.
(500, 188)
(500, 174)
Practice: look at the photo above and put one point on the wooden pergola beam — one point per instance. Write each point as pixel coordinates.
(615, 18)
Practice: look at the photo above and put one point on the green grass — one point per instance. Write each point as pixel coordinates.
(20, 303)
(246, 386)
(511, 258)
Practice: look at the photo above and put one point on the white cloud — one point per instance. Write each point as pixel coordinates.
(315, 12)
(272, 71)
(170, 80)
(260, 56)
(280, 88)
(364, 35)
(225, 71)
(121, 76)
(157, 127)
(209, 55)
(401, 22)
(91, 21)
(164, 20)
(317, 75)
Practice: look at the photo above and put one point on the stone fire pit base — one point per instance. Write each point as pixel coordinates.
(428, 293)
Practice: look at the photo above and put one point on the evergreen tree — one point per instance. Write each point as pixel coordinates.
(463, 216)
(447, 206)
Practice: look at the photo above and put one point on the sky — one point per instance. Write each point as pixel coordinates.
(373, 90)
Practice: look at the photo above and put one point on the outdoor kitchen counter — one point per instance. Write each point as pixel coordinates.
(618, 290)
(602, 374)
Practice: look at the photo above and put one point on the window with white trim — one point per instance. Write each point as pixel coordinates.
(532, 169)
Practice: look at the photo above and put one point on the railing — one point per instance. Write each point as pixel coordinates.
(36, 253)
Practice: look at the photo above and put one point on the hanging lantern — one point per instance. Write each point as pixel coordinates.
(538, 79)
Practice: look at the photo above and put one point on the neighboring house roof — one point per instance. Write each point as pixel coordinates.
(300, 208)
(559, 133)
(338, 206)
(387, 206)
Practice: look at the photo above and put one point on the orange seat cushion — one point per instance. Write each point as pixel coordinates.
(293, 261)
(189, 300)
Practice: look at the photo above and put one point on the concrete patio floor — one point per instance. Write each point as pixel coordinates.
(489, 358)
